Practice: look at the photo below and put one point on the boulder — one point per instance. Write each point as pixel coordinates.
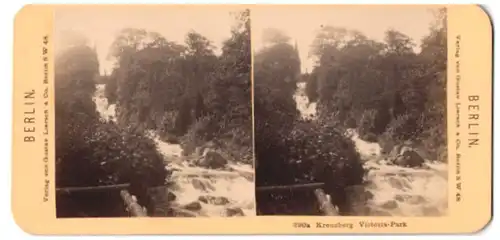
(201, 185)
(406, 157)
(431, 211)
(399, 198)
(171, 196)
(410, 199)
(379, 213)
(213, 200)
(416, 199)
(233, 212)
(177, 212)
(212, 159)
(391, 204)
(396, 183)
(193, 206)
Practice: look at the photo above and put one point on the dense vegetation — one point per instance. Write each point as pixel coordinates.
(291, 150)
(386, 90)
(92, 152)
(392, 93)
(189, 93)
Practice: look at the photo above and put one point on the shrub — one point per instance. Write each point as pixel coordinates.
(310, 153)
(102, 155)
(233, 139)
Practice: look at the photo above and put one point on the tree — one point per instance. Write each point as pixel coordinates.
(186, 91)
(91, 152)
(380, 82)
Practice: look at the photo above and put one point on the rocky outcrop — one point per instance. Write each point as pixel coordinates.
(389, 205)
(193, 206)
(233, 212)
(202, 185)
(214, 200)
(212, 159)
(405, 156)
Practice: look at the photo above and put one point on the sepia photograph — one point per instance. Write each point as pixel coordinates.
(153, 112)
(350, 110)
(253, 119)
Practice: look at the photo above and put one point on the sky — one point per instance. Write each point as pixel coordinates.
(101, 24)
(301, 22)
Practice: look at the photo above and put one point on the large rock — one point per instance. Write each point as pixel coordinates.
(178, 212)
(406, 157)
(214, 200)
(379, 213)
(193, 206)
(233, 212)
(431, 211)
(416, 200)
(397, 183)
(410, 199)
(202, 185)
(212, 159)
(391, 204)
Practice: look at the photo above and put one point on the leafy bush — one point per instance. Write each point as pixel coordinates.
(103, 155)
(310, 153)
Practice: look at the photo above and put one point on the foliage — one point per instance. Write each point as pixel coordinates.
(382, 83)
(175, 88)
(91, 152)
(384, 88)
(290, 150)
(308, 153)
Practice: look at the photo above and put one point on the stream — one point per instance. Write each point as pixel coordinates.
(209, 192)
(395, 190)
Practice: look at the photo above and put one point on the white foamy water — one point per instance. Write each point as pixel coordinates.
(307, 109)
(233, 187)
(107, 111)
(396, 191)
(365, 149)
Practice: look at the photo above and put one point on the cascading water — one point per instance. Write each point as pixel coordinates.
(207, 192)
(306, 108)
(396, 191)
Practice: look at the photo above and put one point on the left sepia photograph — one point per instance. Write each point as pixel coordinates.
(153, 111)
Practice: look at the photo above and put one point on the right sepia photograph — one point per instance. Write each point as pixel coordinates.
(350, 110)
